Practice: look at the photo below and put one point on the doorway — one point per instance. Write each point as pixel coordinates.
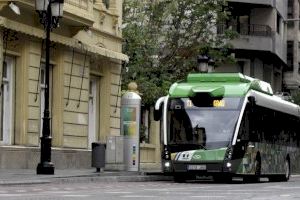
(93, 110)
(7, 116)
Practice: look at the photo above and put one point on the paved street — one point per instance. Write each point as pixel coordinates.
(156, 190)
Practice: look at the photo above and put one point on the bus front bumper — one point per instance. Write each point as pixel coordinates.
(201, 168)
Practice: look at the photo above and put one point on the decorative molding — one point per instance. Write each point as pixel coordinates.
(115, 21)
(78, 3)
(2, 5)
(71, 42)
(100, 44)
(102, 17)
(99, 5)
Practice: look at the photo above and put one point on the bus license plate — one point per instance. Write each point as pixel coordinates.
(196, 167)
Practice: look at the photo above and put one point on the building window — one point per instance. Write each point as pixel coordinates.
(290, 9)
(278, 25)
(4, 70)
(290, 13)
(290, 55)
(106, 3)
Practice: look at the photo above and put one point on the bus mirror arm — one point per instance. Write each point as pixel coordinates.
(251, 100)
(157, 114)
(158, 109)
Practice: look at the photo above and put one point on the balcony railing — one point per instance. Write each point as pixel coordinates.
(246, 29)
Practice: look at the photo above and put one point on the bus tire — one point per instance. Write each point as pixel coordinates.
(257, 165)
(222, 178)
(287, 170)
(179, 178)
(251, 179)
(286, 176)
(257, 171)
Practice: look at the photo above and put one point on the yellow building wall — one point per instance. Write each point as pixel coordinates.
(33, 95)
(76, 96)
(150, 158)
(69, 119)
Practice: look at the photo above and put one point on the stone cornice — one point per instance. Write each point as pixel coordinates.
(71, 42)
(100, 7)
(107, 34)
(3, 4)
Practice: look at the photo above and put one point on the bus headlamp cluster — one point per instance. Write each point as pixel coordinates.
(228, 164)
(167, 164)
(167, 154)
(229, 153)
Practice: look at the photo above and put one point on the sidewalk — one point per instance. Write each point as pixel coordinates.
(28, 176)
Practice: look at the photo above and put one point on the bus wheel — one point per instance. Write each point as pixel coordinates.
(287, 170)
(179, 178)
(257, 164)
(286, 176)
(257, 172)
(222, 179)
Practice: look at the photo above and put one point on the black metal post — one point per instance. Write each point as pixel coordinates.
(46, 166)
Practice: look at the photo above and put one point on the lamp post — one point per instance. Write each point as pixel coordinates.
(49, 12)
(203, 63)
(211, 65)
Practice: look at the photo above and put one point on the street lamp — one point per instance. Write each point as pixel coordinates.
(203, 63)
(211, 65)
(49, 12)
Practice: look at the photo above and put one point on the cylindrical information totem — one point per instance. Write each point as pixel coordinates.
(130, 129)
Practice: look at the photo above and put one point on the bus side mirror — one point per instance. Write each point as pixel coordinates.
(251, 100)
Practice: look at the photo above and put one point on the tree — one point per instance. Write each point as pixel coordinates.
(296, 97)
(163, 39)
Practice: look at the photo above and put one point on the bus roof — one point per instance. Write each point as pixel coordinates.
(218, 84)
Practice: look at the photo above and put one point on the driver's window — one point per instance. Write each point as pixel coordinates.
(244, 127)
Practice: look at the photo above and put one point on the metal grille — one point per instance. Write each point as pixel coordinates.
(246, 29)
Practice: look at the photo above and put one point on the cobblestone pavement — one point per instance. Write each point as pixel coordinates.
(165, 190)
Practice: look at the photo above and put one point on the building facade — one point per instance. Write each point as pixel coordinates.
(291, 76)
(260, 49)
(86, 62)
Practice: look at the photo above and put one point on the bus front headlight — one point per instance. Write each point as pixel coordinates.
(167, 164)
(228, 164)
(229, 153)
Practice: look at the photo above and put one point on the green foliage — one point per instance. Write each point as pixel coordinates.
(163, 39)
(296, 98)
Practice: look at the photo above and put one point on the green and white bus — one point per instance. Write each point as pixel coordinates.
(228, 125)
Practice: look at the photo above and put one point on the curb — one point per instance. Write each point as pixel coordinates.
(87, 179)
(24, 182)
(138, 178)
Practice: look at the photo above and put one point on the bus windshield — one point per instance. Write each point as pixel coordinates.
(202, 125)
